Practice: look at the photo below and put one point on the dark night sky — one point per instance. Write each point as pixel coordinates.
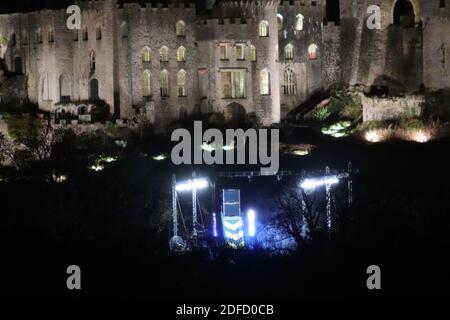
(30, 5)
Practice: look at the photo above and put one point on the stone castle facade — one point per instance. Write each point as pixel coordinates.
(264, 57)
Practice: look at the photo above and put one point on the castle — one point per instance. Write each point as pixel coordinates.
(264, 57)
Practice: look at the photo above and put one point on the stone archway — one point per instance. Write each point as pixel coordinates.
(234, 112)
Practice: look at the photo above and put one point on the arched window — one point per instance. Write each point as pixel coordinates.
(299, 19)
(85, 34)
(289, 82)
(45, 88)
(263, 29)
(180, 29)
(181, 83)
(51, 35)
(75, 35)
(404, 14)
(13, 40)
(64, 88)
(164, 83)
(253, 53)
(25, 38)
(289, 52)
(92, 61)
(277, 53)
(312, 52)
(124, 29)
(164, 54)
(264, 82)
(280, 22)
(39, 35)
(181, 54)
(98, 33)
(146, 54)
(93, 90)
(146, 84)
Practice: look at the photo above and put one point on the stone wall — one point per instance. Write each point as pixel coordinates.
(391, 108)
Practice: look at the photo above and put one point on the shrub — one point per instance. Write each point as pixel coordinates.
(321, 114)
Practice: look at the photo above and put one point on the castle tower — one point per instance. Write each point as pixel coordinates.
(262, 16)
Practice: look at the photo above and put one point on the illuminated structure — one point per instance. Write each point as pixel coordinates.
(232, 222)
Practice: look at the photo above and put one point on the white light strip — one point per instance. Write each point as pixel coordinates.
(310, 184)
(191, 185)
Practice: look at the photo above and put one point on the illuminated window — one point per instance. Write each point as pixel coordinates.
(146, 84)
(181, 29)
(146, 55)
(181, 83)
(164, 54)
(289, 52)
(280, 22)
(264, 82)
(45, 88)
(223, 50)
(124, 29)
(240, 51)
(263, 29)
(181, 54)
(253, 52)
(164, 83)
(299, 19)
(289, 83)
(312, 52)
(233, 84)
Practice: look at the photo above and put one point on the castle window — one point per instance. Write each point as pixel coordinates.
(51, 35)
(92, 61)
(289, 52)
(181, 54)
(240, 51)
(233, 84)
(333, 11)
(253, 52)
(442, 3)
(289, 83)
(164, 54)
(25, 39)
(18, 65)
(280, 22)
(223, 50)
(263, 29)
(75, 35)
(277, 53)
(181, 83)
(312, 52)
(98, 33)
(13, 40)
(39, 36)
(85, 34)
(404, 14)
(264, 82)
(124, 30)
(45, 88)
(64, 88)
(164, 83)
(146, 84)
(299, 19)
(181, 29)
(146, 55)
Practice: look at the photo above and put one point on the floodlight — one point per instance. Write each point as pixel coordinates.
(191, 185)
(251, 219)
(314, 183)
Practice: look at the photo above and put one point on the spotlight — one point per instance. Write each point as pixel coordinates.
(251, 220)
(191, 184)
(310, 184)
